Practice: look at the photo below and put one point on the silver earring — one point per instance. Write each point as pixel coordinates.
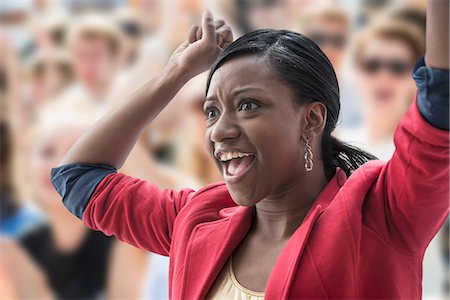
(309, 163)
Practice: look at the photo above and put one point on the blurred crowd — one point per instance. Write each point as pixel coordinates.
(65, 63)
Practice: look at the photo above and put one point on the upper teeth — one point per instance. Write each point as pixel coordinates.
(224, 156)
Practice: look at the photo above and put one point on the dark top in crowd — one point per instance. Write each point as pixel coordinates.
(80, 274)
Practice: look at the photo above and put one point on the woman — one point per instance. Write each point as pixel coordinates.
(293, 219)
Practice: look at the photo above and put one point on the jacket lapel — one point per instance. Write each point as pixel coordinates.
(282, 275)
(212, 245)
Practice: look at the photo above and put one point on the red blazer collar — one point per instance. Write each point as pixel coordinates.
(211, 245)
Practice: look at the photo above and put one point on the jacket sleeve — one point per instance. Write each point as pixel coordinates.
(133, 210)
(410, 198)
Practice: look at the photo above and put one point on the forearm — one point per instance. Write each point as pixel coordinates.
(110, 140)
(437, 39)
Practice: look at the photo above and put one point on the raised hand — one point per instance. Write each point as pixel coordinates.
(203, 45)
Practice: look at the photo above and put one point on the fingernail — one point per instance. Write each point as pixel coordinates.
(208, 15)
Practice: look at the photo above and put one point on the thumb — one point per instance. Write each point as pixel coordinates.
(208, 28)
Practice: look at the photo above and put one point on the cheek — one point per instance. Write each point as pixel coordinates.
(208, 144)
(364, 81)
(278, 148)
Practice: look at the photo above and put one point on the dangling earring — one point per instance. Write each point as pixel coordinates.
(309, 163)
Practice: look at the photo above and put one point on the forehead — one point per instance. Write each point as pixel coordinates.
(328, 26)
(245, 71)
(387, 47)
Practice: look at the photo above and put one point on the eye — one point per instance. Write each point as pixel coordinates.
(247, 104)
(211, 112)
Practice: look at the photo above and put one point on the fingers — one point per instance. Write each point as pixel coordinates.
(217, 24)
(208, 28)
(211, 31)
(199, 33)
(224, 36)
(192, 35)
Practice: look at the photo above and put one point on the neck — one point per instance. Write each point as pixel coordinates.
(379, 131)
(279, 215)
(67, 231)
(381, 127)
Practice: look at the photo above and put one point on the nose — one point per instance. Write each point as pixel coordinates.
(224, 128)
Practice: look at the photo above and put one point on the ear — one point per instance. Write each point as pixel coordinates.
(314, 119)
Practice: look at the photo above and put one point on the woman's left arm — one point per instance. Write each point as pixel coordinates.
(409, 200)
(432, 79)
(437, 55)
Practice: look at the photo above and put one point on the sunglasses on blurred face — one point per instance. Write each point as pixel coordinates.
(131, 29)
(322, 39)
(395, 67)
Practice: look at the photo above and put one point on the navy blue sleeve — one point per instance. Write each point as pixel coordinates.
(76, 183)
(433, 93)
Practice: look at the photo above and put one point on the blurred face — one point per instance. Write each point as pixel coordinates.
(384, 75)
(49, 148)
(253, 130)
(93, 61)
(331, 37)
(50, 78)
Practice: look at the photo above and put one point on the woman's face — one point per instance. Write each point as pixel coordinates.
(251, 114)
(384, 75)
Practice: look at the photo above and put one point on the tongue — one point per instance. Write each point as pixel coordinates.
(237, 165)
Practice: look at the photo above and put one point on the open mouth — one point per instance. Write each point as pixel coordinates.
(235, 164)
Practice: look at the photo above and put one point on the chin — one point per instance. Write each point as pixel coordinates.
(243, 197)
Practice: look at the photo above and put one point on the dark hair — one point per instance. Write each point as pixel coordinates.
(300, 64)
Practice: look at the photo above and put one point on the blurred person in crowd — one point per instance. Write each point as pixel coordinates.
(16, 216)
(49, 29)
(384, 57)
(47, 74)
(13, 17)
(131, 26)
(68, 260)
(9, 81)
(411, 12)
(74, 260)
(94, 45)
(368, 9)
(329, 27)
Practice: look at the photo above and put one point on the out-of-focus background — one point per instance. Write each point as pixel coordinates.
(65, 63)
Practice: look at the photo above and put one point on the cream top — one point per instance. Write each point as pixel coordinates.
(226, 286)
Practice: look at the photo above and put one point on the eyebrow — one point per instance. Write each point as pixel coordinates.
(236, 92)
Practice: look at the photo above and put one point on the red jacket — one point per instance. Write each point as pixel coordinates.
(364, 237)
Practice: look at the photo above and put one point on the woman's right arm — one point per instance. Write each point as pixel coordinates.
(135, 211)
(111, 139)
